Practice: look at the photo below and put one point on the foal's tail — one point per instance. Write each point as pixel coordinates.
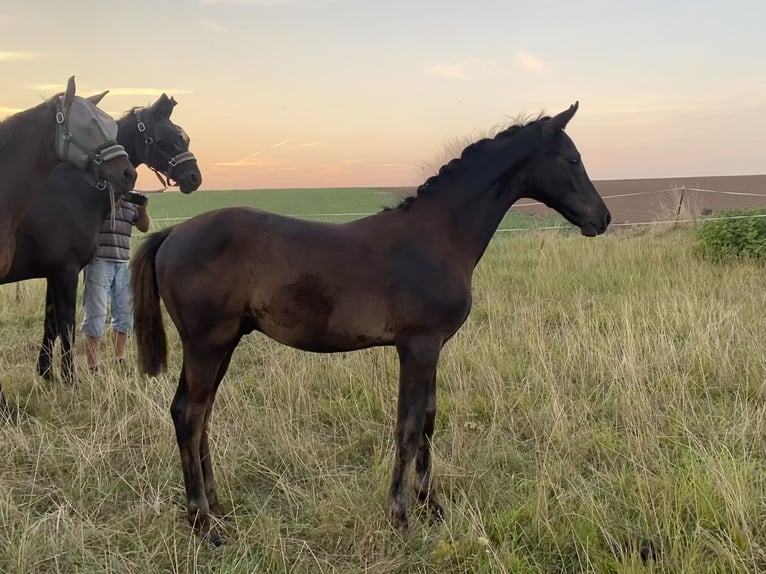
(147, 316)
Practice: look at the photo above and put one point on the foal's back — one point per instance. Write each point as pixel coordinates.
(314, 286)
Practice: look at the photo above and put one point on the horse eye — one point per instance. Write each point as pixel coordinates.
(574, 160)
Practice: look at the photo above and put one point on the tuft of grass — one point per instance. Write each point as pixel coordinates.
(604, 397)
(733, 234)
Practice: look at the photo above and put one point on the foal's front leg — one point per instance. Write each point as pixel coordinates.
(418, 357)
(423, 477)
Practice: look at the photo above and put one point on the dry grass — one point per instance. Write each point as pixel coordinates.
(602, 393)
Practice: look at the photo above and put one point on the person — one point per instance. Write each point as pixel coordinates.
(107, 276)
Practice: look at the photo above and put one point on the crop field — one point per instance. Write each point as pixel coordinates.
(322, 204)
(601, 410)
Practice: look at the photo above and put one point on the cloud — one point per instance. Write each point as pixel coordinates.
(213, 26)
(256, 159)
(113, 91)
(16, 56)
(268, 2)
(529, 62)
(7, 111)
(463, 69)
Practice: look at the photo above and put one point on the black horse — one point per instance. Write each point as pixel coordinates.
(59, 235)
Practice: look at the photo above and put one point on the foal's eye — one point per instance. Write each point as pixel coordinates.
(574, 160)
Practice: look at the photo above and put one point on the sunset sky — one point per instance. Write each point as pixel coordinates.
(314, 93)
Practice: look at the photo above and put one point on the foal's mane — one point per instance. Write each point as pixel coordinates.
(17, 126)
(431, 185)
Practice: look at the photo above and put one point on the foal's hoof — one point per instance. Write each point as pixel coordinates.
(397, 515)
(45, 371)
(207, 531)
(435, 510)
(214, 538)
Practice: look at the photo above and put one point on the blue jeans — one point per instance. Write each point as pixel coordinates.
(105, 279)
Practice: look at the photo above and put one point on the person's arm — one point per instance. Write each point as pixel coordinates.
(143, 220)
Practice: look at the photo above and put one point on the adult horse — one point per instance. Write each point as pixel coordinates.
(65, 128)
(401, 277)
(59, 235)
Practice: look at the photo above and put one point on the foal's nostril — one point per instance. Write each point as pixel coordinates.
(193, 178)
(608, 218)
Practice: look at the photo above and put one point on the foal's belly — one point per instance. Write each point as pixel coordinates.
(311, 335)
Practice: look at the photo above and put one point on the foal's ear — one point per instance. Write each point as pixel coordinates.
(97, 98)
(164, 105)
(69, 94)
(560, 120)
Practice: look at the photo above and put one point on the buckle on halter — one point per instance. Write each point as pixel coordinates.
(60, 117)
(141, 126)
(149, 140)
(97, 159)
(172, 162)
(101, 185)
(67, 136)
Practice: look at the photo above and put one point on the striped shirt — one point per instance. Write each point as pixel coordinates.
(114, 244)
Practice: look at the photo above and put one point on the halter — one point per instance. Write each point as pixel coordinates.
(172, 161)
(64, 138)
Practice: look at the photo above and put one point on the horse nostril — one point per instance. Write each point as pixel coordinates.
(608, 218)
(194, 179)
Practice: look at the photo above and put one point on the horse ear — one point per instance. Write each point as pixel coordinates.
(560, 120)
(164, 105)
(69, 94)
(97, 98)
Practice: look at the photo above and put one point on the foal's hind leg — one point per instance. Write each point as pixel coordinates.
(207, 465)
(418, 357)
(190, 405)
(423, 477)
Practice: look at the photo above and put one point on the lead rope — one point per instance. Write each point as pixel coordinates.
(112, 221)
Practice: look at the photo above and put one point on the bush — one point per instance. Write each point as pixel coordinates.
(723, 239)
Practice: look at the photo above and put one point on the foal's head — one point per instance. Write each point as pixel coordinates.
(86, 137)
(555, 175)
(164, 146)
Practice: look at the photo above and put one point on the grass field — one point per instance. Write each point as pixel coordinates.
(322, 204)
(604, 395)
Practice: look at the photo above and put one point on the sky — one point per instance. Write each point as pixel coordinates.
(337, 93)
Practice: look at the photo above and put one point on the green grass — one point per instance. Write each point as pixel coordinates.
(321, 204)
(602, 392)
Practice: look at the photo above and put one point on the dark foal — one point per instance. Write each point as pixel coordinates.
(401, 277)
(65, 128)
(59, 235)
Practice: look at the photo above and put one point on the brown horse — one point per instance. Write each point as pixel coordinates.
(401, 277)
(59, 234)
(65, 128)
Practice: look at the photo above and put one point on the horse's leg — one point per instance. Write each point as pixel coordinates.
(418, 357)
(7, 244)
(195, 387)
(423, 478)
(45, 358)
(207, 464)
(65, 304)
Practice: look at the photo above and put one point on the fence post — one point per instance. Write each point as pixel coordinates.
(680, 203)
